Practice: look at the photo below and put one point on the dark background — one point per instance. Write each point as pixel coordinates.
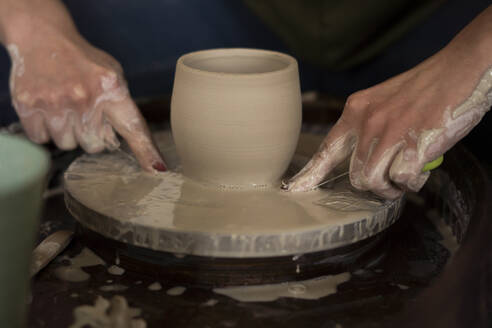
(147, 38)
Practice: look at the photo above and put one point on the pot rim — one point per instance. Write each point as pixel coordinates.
(291, 62)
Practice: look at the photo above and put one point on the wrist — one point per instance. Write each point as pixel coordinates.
(484, 50)
(22, 22)
(474, 42)
(17, 28)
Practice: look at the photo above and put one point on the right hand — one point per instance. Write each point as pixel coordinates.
(393, 129)
(66, 90)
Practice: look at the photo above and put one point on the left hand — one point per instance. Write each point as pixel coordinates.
(69, 91)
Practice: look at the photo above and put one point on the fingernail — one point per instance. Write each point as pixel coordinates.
(159, 166)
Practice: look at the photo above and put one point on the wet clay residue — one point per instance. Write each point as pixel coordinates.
(309, 289)
(73, 272)
(210, 302)
(113, 288)
(116, 270)
(176, 291)
(156, 286)
(108, 314)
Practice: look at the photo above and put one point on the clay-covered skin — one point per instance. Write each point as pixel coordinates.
(66, 90)
(236, 116)
(393, 129)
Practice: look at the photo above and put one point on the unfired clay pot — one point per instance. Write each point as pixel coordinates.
(236, 116)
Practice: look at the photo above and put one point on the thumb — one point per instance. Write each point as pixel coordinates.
(335, 148)
(127, 120)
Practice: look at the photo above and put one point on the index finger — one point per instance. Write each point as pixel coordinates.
(126, 119)
(335, 148)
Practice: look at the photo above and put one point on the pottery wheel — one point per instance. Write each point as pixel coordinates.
(109, 194)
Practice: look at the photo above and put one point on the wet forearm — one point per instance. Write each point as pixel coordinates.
(21, 20)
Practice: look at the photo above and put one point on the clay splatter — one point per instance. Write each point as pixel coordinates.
(116, 270)
(155, 286)
(106, 314)
(210, 302)
(113, 288)
(308, 289)
(74, 272)
(176, 291)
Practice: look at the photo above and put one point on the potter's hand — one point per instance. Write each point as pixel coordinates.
(66, 90)
(393, 129)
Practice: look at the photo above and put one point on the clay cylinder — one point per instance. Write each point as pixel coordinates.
(236, 116)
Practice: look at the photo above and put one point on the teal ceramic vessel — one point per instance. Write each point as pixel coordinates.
(23, 170)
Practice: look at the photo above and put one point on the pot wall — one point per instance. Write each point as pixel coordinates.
(236, 115)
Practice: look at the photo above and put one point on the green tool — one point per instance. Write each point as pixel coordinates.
(434, 164)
